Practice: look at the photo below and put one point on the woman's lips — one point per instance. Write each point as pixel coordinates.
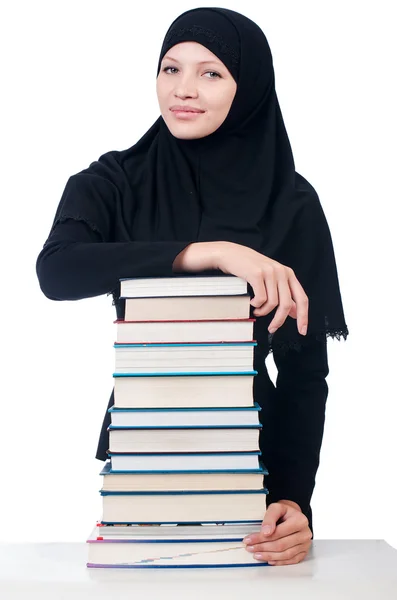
(185, 114)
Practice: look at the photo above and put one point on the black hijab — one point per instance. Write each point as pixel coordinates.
(237, 184)
(243, 178)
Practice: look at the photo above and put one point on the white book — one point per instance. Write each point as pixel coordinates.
(179, 507)
(169, 553)
(129, 332)
(210, 531)
(182, 285)
(188, 308)
(179, 358)
(172, 462)
(238, 439)
(167, 481)
(183, 391)
(184, 417)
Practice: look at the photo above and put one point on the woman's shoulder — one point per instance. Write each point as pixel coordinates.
(107, 166)
(122, 168)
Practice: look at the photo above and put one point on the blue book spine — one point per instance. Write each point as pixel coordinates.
(107, 470)
(115, 427)
(185, 492)
(167, 541)
(190, 374)
(255, 407)
(192, 566)
(248, 522)
(229, 453)
(118, 345)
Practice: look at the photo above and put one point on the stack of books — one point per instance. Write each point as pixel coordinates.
(184, 432)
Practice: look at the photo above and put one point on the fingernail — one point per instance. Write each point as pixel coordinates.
(258, 556)
(266, 529)
(272, 329)
(250, 548)
(247, 540)
(304, 330)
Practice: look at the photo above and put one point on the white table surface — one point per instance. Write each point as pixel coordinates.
(333, 569)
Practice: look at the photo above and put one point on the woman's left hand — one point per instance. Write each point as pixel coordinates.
(286, 543)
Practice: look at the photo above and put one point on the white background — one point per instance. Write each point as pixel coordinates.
(78, 80)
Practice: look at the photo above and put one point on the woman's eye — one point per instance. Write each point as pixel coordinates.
(166, 68)
(212, 72)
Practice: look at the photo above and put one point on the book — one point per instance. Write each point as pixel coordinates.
(186, 506)
(168, 481)
(198, 531)
(187, 308)
(171, 551)
(184, 439)
(182, 285)
(229, 330)
(183, 390)
(177, 462)
(184, 417)
(180, 358)
(171, 554)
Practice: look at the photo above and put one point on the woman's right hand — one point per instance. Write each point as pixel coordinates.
(273, 284)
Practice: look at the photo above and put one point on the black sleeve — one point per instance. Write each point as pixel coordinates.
(88, 249)
(301, 394)
(75, 263)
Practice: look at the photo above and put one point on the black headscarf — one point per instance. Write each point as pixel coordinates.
(243, 178)
(237, 184)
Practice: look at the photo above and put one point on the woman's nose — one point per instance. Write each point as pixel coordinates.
(186, 87)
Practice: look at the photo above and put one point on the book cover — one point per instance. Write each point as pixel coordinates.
(107, 470)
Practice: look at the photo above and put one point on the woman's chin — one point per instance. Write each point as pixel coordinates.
(188, 130)
(187, 133)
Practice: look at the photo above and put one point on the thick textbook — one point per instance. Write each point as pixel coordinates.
(183, 390)
(187, 506)
(219, 546)
(174, 553)
(177, 462)
(184, 417)
(230, 330)
(180, 358)
(188, 308)
(115, 481)
(182, 285)
(196, 531)
(184, 439)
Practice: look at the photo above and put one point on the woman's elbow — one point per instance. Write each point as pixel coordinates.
(53, 281)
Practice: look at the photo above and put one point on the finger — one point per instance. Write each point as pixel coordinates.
(302, 303)
(289, 554)
(295, 524)
(292, 312)
(281, 544)
(258, 285)
(297, 559)
(272, 300)
(273, 513)
(285, 304)
(268, 527)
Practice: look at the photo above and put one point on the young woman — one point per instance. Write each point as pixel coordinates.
(212, 187)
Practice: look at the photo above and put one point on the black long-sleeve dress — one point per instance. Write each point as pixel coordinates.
(75, 263)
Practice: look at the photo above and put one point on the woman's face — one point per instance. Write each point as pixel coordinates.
(192, 76)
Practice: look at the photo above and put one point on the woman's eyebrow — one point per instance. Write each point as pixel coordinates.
(202, 62)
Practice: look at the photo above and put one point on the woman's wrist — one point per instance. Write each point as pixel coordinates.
(291, 503)
(198, 256)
